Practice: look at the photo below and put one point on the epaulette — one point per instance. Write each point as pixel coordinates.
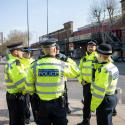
(18, 62)
(84, 59)
(34, 61)
(41, 56)
(100, 68)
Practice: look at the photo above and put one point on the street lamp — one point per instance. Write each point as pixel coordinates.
(47, 18)
(28, 22)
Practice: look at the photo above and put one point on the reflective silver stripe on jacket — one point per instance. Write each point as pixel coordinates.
(29, 91)
(8, 80)
(8, 76)
(20, 81)
(97, 96)
(29, 84)
(111, 70)
(88, 60)
(15, 84)
(49, 84)
(85, 74)
(62, 68)
(11, 86)
(50, 93)
(98, 88)
(88, 67)
(22, 88)
(54, 64)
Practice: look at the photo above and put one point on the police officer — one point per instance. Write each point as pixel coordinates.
(87, 68)
(104, 86)
(46, 78)
(32, 98)
(15, 81)
(65, 59)
(26, 61)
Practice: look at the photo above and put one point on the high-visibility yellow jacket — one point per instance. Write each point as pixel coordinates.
(87, 66)
(64, 58)
(9, 57)
(26, 63)
(46, 77)
(15, 76)
(106, 78)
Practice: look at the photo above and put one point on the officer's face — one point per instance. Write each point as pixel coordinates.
(26, 55)
(20, 53)
(91, 48)
(102, 57)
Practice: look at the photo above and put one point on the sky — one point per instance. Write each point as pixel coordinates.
(13, 15)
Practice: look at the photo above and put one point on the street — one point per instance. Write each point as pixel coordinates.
(75, 96)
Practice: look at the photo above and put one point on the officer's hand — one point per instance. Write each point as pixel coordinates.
(83, 83)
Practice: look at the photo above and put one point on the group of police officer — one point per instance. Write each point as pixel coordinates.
(43, 81)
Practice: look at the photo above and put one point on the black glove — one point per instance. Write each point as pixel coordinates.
(62, 57)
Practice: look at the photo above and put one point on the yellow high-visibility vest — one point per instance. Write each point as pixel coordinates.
(87, 64)
(46, 77)
(15, 76)
(106, 78)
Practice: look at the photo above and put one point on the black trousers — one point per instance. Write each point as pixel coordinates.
(104, 111)
(66, 96)
(116, 98)
(52, 113)
(87, 102)
(15, 103)
(27, 106)
(34, 99)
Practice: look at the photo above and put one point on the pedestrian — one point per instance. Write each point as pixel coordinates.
(15, 81)
(46, 79)
(87, 68)
(104, 86)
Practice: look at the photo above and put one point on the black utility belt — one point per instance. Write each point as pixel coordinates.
(87, 82)
(109, 95)
(15, 94)
(53, 100)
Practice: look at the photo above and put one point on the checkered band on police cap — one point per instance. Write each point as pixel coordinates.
(49, 42)
(105, 49)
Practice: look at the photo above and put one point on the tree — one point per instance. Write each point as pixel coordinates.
(105, 10)
(96, 12)
(112, 9)
(97, 16)
(17, 36)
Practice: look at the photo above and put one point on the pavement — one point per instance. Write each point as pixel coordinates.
(73, 118)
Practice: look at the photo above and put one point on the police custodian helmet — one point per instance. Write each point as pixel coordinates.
(105, 49)
(49, 42)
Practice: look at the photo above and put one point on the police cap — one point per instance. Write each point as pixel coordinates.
(105, 49)
(93, 42)
(50, 42)
(28, 49)
(15, 46)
